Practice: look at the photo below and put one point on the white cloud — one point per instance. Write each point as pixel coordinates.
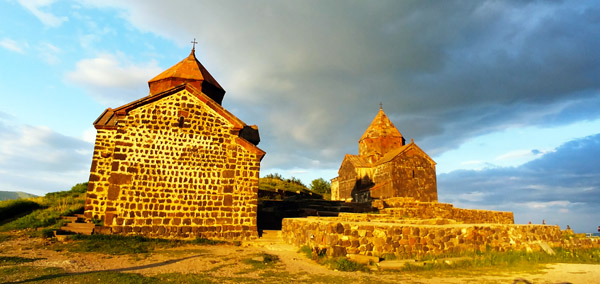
(472, 196)
(543, 205)
(472, 162)
(37, 159)
(49, 53)
(516, 154)
(112, 79)
(561, 186)
(12, 45)
(47, 18)
(89, 135)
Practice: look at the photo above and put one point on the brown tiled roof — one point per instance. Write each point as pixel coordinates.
(392, 154)
(188, 70)
(358, 161)
(381, 126)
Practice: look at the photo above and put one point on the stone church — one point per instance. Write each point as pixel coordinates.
(385, 167)
(176, 163)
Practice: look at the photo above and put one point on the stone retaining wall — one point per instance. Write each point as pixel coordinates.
(405, 240)
(409, 208)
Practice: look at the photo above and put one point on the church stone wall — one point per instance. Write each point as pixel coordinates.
(346, 182)
(406, 175)
(95, 203)
(178, 169)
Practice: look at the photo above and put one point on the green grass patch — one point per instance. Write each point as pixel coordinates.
(509, 259)
(204, 241)
(344, 264)
(114, 244)
(339, 263)
(262, 261)
(5, 237)
(121, 245)
(12, 209)
(12, 260)
(470, 260)
(306, 250)
(314, 255)
(27, 273)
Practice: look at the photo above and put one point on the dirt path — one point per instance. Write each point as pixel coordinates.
(227, 262)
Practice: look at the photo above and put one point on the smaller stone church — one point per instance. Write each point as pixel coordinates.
(385, 167)
(175, 163)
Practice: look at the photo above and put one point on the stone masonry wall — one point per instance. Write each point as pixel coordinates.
(178, 170)
(95, 203)
(407, 175)
(346, 182)
(339, 238)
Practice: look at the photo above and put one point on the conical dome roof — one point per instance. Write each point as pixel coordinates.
(191, 71)
(381, 126)
(380, 138)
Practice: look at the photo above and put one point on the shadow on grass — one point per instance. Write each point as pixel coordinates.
(11, 260)
(153, 265)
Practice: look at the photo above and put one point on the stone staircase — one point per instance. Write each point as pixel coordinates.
(271, 212)
(78, 224)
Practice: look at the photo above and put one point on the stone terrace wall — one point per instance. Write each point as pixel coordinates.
(373, 238)
(409, 208)
(164, 179)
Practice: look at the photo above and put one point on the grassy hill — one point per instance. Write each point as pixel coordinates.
(10, 195)
(274, 182)
(41, 215)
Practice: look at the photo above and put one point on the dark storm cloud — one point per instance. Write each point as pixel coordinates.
(566, 180)
(311, 74)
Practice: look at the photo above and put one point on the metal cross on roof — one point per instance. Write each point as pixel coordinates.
(194, 43)
(380, 105)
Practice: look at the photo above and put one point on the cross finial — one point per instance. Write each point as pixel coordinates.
(380, 105)
(193, 42)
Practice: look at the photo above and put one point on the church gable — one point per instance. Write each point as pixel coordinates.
(408, 150)
(175, 164)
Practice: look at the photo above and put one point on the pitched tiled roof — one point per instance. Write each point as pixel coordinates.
(400, 151)
(188, 70)
(381, 126)
(358, 161)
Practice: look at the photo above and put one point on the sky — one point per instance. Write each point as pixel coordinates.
(503, 95)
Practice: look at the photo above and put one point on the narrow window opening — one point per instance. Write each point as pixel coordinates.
(181, 121)
(413, 173)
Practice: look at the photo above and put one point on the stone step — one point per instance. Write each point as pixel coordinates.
(69, 218)
(79, 228)
(328, 213)
(81, 218)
